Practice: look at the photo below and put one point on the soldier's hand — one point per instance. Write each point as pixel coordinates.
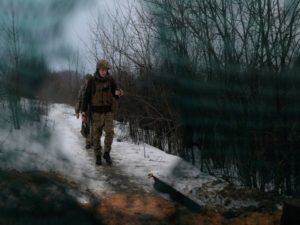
(83, 117)
(119, 92)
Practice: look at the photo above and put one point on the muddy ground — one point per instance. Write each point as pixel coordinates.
(49, 198)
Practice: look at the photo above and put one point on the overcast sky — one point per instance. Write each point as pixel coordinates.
(51, 31)
(77, 32)
(55, 31)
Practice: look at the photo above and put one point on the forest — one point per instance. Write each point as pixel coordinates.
(213, 81)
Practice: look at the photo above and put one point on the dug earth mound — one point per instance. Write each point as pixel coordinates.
(142, 209)
(49, 198)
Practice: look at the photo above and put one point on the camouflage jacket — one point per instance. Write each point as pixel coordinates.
(80, 97)
(99, 94)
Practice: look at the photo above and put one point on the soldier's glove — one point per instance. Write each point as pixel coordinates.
(84, 117)
(119, 92)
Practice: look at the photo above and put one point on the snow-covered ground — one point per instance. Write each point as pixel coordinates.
(135, 161)
(65, 153)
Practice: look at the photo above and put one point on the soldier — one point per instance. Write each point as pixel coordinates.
(85, 129)
(100, 97)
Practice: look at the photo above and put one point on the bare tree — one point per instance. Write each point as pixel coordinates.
(11, 37)
(130, 46)
(240, 56)
(212, 75)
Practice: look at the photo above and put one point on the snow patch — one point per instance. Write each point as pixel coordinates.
(63, 151)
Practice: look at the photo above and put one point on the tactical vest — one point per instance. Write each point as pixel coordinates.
(102, 97)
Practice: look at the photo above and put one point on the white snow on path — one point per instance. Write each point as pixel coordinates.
(137, 161)
(64, 152)
(81, 166)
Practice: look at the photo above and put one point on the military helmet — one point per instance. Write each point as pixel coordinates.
(88, 76)
(102, 63)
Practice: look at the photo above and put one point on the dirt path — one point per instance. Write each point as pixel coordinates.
(105, 178)
(124, 200)
(115, 178)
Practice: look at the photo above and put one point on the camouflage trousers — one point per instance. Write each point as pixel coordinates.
(89, 137)
(102, 121)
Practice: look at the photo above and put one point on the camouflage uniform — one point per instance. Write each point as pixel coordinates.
(78, 105)
(99, 97)
(79, 97)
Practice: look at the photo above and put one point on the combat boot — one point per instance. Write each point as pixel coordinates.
(106, 156)
(98, 160)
